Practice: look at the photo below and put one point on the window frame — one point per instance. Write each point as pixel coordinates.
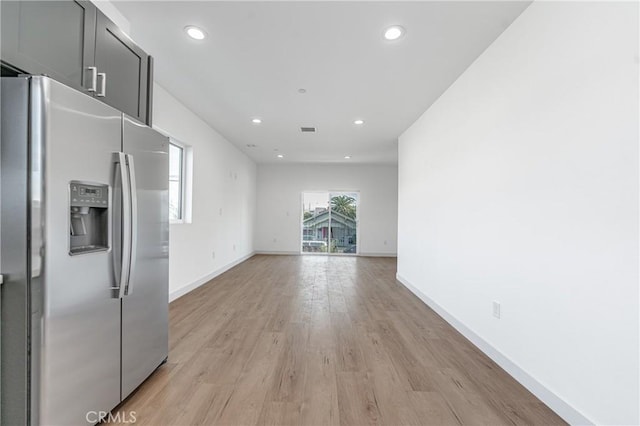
(187, 177)
(182, 180)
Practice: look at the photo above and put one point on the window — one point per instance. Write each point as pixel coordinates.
(176, 182)
(330, 222)
(180, 179)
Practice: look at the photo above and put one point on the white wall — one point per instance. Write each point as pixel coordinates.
(279, 203)
(520, 184)
(224, 193)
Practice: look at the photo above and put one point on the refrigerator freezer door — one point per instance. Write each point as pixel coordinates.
(145, 304)
(73, 138)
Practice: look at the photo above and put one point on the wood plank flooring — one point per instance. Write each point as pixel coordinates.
(316, 340)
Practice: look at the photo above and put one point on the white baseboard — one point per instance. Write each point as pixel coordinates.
(279, 253)
(378, 254)
(197, 283)
(553, 401)
(297, 253)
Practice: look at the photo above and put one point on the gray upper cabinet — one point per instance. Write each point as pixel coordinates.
(55, 38)
(123, 69)
(74, 43)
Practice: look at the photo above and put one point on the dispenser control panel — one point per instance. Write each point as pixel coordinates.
(83, 195)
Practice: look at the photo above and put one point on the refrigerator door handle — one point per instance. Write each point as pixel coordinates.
(122, 276)
(134, 223)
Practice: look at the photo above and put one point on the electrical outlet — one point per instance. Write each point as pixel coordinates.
(275, 240)
(220, 211)
(496, 309)
(213, 254)
(385, 242)
(234, 247)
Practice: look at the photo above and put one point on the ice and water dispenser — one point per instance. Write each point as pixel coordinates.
(88, 217)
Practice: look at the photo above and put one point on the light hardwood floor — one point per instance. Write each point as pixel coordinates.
(317, 340)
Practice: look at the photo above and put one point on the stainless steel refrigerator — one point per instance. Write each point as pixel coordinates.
(84, 235)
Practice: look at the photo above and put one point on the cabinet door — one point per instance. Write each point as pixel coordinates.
(125, 67)
(55, 38)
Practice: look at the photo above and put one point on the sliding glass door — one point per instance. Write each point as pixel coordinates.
(330, 222)
(315, 222)
(343, 207)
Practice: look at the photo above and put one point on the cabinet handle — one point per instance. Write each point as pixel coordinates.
(103, 85)
(94, 79)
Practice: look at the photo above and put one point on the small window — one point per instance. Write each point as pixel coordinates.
(176, 182)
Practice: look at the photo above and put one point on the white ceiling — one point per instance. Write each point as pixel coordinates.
(258, 54)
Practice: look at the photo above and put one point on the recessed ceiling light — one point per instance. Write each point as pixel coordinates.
(302, 91)
(195, 32)
(394, 32)
(347, 157)
(359, 122)
(256, 121)
(280, 156)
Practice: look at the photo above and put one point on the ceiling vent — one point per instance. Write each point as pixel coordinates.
(308, 129)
